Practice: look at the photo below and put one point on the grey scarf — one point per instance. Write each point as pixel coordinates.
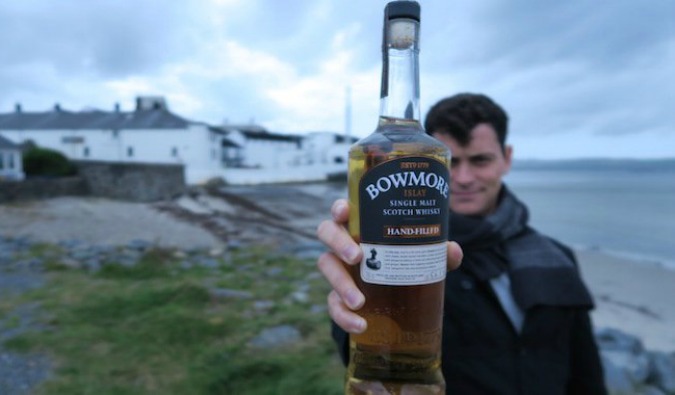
(541, 271)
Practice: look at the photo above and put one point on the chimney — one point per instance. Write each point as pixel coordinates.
(57, 107)
(144, 103)
(117, 107)
(17, 108)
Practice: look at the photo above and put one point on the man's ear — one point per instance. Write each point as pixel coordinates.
(508, 156)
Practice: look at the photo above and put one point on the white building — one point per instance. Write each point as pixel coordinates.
(153, 134)
(10, 160)
(327, 148)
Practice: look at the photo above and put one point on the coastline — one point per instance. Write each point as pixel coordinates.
(630, 295)
(633, 296)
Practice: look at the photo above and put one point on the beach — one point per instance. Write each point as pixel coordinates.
(635, 297)
(631, 295)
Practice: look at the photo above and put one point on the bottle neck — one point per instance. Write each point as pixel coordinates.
(399, 97)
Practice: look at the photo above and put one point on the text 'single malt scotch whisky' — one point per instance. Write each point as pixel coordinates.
(398, 194)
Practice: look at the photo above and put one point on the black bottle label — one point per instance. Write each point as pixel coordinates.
(404, 221)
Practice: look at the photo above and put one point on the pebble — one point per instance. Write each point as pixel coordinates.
(22, 372)
(278, 336)
(225, 293)
(263, 305)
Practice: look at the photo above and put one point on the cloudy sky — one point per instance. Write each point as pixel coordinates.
(579, 78)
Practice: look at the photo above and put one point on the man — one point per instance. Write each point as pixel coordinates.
(516, 311)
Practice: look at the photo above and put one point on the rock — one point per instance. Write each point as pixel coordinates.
(310, 250)
(139, 245)
(80, 254)
(208, 263)
(36, 263)
(649, 390)
(626, 352)
(216, 252)
(70, 244)
(92, 265)
(6, 255)
(616, 378)
(263, 305)
(192, 206)
(611, 339)
(635, 365)
(300, 296)
(278, 336)
(274, 271)
(125, 260)
(22, 372)
(218, 205)
(314, 276)
(178, 254)
(662, 372)
(318, 309)
(233, 245)
(69, 263)
(225, 293)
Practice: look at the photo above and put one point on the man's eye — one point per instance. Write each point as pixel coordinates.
(480, 161)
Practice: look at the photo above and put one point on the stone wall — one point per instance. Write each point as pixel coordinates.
(42, 188)
(137, 182)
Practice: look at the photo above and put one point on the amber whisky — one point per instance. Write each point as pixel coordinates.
(398, 195)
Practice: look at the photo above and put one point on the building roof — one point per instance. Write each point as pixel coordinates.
(59, 119)
(255, 135)
(6, 143)
(225, 142)
(256, 132)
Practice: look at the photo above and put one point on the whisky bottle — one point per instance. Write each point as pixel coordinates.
(398, 195)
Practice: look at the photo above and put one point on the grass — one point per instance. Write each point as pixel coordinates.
(154, 328)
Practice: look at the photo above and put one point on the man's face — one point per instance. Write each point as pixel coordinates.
(476, 170)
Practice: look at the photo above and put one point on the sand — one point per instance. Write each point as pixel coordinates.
(636, 297)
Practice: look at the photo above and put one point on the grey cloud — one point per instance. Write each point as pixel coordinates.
(610, 62)
(106, 38)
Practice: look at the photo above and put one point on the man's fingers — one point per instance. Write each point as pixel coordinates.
(338, 239)
(343, 317)
(455, 255)
(340, 211)
(335, 272)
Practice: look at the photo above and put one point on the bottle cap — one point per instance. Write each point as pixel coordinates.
(402, 9)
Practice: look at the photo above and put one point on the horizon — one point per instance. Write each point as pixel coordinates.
(577, 78)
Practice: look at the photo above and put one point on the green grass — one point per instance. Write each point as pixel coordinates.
(155, 329)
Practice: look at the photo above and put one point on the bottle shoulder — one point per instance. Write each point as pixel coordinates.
(401, 140)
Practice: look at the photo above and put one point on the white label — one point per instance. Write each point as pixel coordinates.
(403, 264)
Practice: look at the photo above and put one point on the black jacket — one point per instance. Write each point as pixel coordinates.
(483, 354)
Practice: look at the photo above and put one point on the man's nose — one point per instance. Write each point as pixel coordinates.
(461, 174)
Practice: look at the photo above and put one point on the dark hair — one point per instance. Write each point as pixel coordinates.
(458, 115)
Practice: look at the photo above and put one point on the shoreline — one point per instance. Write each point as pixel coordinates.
(636, 258)
(632, 295)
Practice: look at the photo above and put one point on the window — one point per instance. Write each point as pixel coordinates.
(174, 152)
(2, 161)
(85, 153)
(130, 152)
(72, 140)
(338, 159)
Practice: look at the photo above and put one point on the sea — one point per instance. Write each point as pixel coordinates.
(620, 207)
(624, 208)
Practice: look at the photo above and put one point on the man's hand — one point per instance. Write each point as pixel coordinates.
(345, 298)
